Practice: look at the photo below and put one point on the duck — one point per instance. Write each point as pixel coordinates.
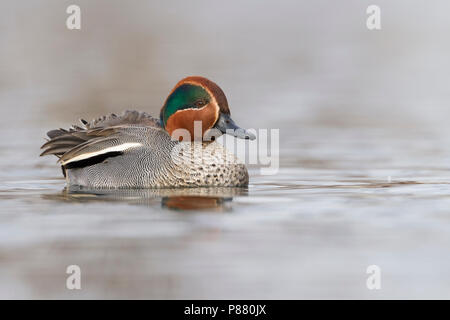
(134, 150)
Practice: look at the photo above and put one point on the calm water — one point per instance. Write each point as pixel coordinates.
(364, 172)
(308, 232)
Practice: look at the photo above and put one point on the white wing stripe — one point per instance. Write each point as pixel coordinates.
(119, 148)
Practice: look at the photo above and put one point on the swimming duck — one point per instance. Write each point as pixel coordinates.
(136, 150)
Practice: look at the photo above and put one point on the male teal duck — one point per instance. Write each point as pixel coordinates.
(135, 150)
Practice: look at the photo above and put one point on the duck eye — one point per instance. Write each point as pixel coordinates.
(199, 103)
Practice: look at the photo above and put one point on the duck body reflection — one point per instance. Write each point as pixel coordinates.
(181, 199)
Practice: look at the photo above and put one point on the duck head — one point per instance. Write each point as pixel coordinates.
(199, 99)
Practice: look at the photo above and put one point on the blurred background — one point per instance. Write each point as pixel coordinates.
(364, 136)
